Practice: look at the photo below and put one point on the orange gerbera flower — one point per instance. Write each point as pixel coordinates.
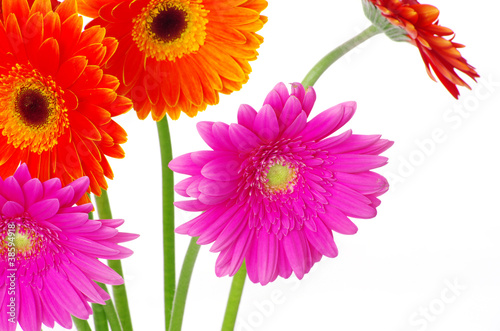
(416, 23)
(177, 55)
(56, 104)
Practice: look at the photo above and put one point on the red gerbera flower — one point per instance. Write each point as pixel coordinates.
(177, 55)
(416, 23)
(56, 104)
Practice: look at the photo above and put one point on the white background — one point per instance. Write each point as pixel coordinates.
(438, 224)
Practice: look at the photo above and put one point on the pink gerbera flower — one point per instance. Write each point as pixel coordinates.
(49, 252)
(273, 188)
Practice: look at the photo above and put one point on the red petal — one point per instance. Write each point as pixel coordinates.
(70, 71)
(83, 126)
(66, 9)
(48, 57)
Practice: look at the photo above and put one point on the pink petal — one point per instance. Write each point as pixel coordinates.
(323, 124)
(309, 100)
(298, 91)
(79, 186)
(357, 163)
(12, 190)
(291, 110)
(44, 209)
(22, 174)
(337, 221)
(246, 116)
(12, 209)
(242, 138)
(296, 127)
(191, 205)
(273, 99)
(266, 124)
(322, 239)
(33, 191)
(184, 165)
(222, 169)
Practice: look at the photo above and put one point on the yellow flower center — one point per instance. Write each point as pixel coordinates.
(22, 242)
(280, 178)
(32, 111)
(169, 29)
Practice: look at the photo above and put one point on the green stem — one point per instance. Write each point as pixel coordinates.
(81, 325)
(110, 312)
(100, 319)
(233, 302)
(183, 287)
(168, 219)
(119, 291)
(323, 64)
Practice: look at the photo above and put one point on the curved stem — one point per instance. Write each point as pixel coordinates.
(183, 287)
(81, 325)
(168, 219)
(323, 64)
(119, 291)
(233, 302)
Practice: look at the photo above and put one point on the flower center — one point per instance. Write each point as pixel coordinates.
(32, 110)
(169, 29)
(32, 106)
(278, 176)
(169, 25)
(281, 178)
(22, 242)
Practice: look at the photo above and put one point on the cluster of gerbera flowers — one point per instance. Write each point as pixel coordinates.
(273, 186)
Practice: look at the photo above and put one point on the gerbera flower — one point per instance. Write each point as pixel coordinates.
(273, 187)
(177, 55)
(56, 105)
(48, 264)
(408, 20)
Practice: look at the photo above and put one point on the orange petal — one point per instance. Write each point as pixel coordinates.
(66, 9)
(48, 57)
(70, 71)
(83, 126)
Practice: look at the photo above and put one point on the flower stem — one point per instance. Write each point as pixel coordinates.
(110, 312)
(323, 64)
(183, 287)
(168, 219)
(81, 325)
(119, 291)
(100, 320)
(233, 302)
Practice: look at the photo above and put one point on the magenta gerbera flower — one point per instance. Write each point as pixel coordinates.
(49, 252)
(273, 187)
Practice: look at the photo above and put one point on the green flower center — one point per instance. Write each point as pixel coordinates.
(278, 176)
(22, 242)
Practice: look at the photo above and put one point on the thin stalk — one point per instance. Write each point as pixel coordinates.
(100, 320)
(119, 291)
(183, 287)
(110, 312)
(168, 219)
(81, 325)
(233, 302)
(323, 64)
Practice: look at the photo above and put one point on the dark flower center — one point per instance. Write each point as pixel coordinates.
(33, 106)
(169, 24)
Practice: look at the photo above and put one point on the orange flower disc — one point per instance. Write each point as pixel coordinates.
(178, 55)
(56, 104)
